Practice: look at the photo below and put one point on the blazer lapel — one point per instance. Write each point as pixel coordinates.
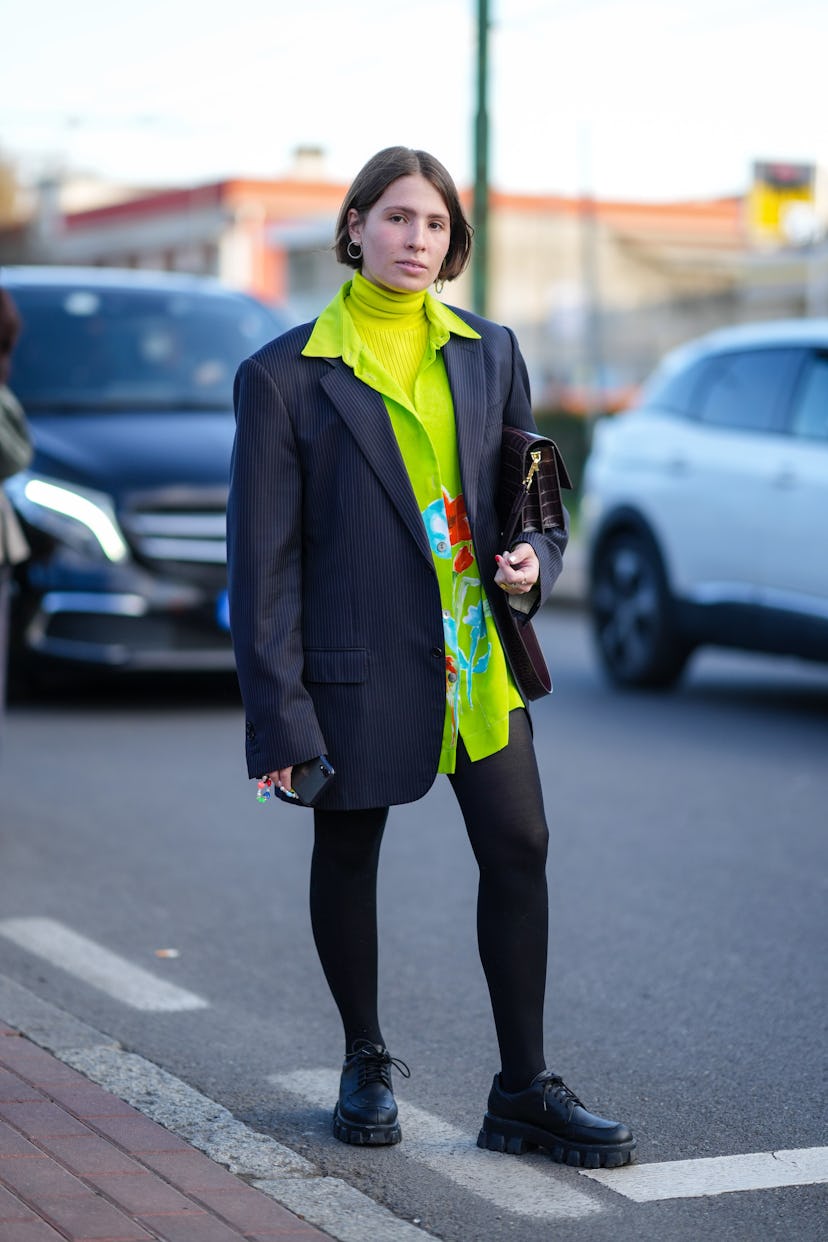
(365, 413)
(467, 378)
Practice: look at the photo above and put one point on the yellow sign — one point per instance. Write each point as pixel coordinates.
(777, 188)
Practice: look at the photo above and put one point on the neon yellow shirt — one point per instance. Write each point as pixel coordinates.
(392, 342)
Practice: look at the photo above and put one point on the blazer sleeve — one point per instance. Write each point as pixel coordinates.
(549, 546)
(264, 544)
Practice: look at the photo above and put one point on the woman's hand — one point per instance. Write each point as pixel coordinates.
(517, 571)
(282, 779)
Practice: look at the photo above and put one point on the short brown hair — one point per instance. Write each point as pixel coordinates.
(373, 180)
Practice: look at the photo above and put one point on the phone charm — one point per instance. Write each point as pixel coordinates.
(264, 788)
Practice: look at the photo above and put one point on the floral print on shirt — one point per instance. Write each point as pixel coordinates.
(467, 644)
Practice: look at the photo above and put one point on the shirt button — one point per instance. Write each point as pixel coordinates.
(442, 546)
(451, 678)
(446, 614)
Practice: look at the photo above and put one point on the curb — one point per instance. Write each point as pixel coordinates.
(327, 1203)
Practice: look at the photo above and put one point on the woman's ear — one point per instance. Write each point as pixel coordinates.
(354, 225)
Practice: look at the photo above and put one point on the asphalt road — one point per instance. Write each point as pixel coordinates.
(687, 990)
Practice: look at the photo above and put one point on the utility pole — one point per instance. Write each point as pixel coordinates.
(592, 337)
(480, 254)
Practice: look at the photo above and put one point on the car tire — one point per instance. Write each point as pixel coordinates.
(633, 614)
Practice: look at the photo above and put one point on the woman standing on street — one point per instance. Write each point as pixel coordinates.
(368, 591)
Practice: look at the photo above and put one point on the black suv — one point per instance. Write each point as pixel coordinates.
(126, 378)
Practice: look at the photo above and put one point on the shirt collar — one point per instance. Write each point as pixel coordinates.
(334, 334)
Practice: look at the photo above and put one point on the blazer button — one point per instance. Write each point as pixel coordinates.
(437, 652)
(250, 730)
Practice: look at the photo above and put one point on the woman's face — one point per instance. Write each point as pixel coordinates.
(405, 236)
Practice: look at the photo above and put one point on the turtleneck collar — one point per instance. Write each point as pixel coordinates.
(334, 334)
(388, 305)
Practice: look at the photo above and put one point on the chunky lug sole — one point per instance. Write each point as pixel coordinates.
(517, 1137)
(365, 1136)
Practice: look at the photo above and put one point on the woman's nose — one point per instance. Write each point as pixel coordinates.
(416, 237)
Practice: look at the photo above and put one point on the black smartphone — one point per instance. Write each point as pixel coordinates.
(309, 779)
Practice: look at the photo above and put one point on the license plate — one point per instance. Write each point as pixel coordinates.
(223, 611)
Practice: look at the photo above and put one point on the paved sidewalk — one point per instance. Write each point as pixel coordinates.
(78, 1164)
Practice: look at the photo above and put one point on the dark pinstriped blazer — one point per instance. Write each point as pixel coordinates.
(334, 602)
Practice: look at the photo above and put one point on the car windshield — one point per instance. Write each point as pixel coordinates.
(113, 349)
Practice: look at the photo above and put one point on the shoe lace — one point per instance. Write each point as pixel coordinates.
(375, 1063)
(554, 1085)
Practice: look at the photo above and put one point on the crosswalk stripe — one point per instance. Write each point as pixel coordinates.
(95, 965)
(531, 1186)
(716, 1175)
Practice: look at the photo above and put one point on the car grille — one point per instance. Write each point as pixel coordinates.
(180, 533)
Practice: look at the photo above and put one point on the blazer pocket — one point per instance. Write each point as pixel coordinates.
(336, 664)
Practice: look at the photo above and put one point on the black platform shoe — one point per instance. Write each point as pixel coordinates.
(366, 1112)
(548, 1115)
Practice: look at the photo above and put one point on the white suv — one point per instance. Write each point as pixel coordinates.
(706, 506)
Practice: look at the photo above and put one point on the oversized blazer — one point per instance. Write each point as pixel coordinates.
(335, 607)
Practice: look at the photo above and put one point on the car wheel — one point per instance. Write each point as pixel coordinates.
(632, 614)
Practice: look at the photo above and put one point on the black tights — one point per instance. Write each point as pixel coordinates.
(500, 799)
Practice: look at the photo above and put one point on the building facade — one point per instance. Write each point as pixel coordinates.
(596, 290)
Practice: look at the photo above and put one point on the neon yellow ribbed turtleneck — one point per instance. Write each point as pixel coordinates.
(394, 327)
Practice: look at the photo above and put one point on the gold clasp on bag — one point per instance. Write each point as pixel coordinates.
(533, 469)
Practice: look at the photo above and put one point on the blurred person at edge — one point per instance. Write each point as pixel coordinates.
(367, 591)
(15, 455)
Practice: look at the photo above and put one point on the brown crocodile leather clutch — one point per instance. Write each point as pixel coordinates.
(532, 473)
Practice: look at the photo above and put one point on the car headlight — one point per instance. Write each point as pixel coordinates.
(77, 516)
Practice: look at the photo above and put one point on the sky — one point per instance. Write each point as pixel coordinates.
(645, 99)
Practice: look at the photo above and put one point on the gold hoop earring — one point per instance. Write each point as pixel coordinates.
(350, 254)
(439, 285)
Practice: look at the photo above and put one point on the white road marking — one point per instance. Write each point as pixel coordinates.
(530, 1186)
(522, 1187)
(719, 1175)
(99, 967)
